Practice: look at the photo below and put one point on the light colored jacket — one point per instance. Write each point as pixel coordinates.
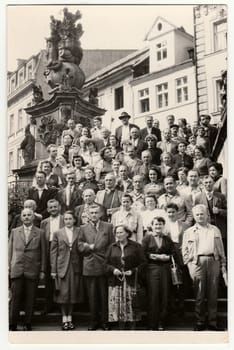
(191, 240)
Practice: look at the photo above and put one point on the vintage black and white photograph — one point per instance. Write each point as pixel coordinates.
(117, 170)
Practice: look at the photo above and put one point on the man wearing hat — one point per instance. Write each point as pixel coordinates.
(122, 133)
(174, 133)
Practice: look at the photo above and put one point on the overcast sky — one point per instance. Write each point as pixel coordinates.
(105, 27)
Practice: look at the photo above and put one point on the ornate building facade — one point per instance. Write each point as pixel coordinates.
(157, 80)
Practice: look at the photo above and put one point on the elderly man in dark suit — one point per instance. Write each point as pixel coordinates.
(94, 239)
(50, 225)
(27, 261)
(40, 193)
(122, 133)
(150, 129)
(110, 197)
(217, 206)
(138, 144)
(89, 199)
(210, 130)
(70, 196)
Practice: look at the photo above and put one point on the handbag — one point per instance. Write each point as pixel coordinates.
(139, 299)
(176, 273)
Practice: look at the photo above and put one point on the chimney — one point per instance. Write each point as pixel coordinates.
(20, 62)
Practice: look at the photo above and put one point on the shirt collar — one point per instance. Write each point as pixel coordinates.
(41, 188)
(95, 225)
(28, 228)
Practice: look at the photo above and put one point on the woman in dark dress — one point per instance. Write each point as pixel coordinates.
(158, 250)
(66, 269)
(124, 259)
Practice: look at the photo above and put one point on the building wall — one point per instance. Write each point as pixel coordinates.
(210, 60)
(182, 43)
(156, 65)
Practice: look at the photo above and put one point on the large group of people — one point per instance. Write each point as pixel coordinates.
(108, 215)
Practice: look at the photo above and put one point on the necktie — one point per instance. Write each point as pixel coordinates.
(68, 195)
(27, 233)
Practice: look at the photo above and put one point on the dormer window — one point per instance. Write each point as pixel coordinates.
(159, 26)
(161, 51)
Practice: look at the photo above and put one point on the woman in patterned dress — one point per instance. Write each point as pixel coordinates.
(124, 259)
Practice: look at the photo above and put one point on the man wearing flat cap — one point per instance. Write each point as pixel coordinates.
(122, 133)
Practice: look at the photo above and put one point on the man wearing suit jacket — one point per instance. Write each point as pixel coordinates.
(27, 261)
(217, 206)
(150, 129)
(203, 253)
(50, 225)
(40, 193)
(167, 145)
(70, 196)
(110, 198)
(72, 131)
(210, 130)
(89, 199)
(122, 133)
(138, 144)
(94, 240)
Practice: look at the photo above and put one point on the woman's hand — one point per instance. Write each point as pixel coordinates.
(117, 272)
(153, 256)
(53, 275)
(164, 257)
(128, 273)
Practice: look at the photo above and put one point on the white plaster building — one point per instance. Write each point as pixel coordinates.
(157, 80)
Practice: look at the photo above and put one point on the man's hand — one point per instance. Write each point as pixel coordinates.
(91, 246)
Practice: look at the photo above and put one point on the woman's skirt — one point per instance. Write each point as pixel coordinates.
(69, 288)
(120, 303)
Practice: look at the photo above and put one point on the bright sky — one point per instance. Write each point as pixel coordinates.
(105, 27)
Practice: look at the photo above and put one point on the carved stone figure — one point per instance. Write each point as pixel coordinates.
(28, 146)
(47, 131)
(93, 92)
(37, 94)
(64, 52)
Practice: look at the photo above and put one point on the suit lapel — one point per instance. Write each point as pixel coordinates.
(32, 234)
(61, 221)
(99, 233)
(21, 234)
(47, 229)
(75, 234)
(64, 235)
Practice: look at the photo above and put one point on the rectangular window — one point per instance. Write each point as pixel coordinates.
(12, 85)
(220, 35)
(119, 97)
(20, 119)
(11, 125)
(19, 158)
(21, 77)
(11, 161)
(182, 89)
(30, 71)
(161, 51)
(162, 95)
(218, 88)
(144, 104)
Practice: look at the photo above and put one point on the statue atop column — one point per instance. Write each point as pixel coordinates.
(28, 146)
(64, 52)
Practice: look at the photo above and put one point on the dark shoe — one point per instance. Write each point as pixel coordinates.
(199, 327)
(65, 326)
(93, 328)
(12, 327)
(212, 327)
(27, 327)
(71, 326)
(105, 327)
